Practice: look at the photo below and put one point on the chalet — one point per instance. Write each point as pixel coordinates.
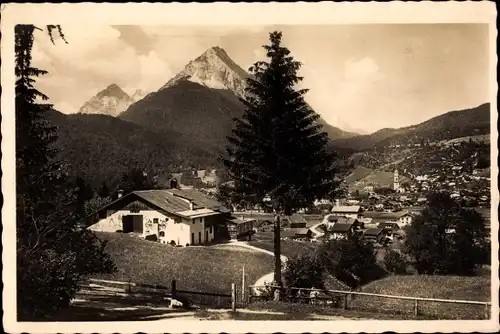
(240, 229)
(331, 220)
(374, 235)
(402, 218)
(295, 221)
(302, 233)
(352, 211)
(179, 216)
(341, 231)
(389, 228)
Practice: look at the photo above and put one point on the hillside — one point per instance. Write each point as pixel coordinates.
(189, 108)
(210, 269)
(453, 124)
(101, 147)
(445, 287)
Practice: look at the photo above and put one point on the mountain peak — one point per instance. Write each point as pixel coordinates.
(110, 101)
(213, 69)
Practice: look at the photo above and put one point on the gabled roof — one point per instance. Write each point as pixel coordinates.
(373, 231)
(385, 215)
(174, 201)
(340, 228)
(388, 225)
(346, 209)
(301, 231)
(296, 218)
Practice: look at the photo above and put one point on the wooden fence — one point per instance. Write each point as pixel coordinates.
(434, 307)
(187, 297)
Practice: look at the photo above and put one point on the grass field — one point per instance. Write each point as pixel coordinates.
(442, 287)
(206, 269)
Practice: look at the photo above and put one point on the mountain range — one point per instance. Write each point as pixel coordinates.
(453, 124)
(187, 120)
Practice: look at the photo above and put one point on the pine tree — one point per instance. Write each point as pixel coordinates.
(277, 148)
(53, 255)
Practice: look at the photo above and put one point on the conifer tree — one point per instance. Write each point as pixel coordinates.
(277, 148)
(53, 254)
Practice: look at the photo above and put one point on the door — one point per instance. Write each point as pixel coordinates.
(199, 238)
(128, 224)
(192, 238)
(138, 226)
(206, 236)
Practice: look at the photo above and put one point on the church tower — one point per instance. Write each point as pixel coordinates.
(396, 180)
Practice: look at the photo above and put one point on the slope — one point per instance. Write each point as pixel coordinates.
(453, 124)
(100, 148)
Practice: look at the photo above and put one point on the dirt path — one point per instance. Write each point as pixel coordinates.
(268, 278)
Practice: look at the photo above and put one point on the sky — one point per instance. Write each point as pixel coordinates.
(360, 77)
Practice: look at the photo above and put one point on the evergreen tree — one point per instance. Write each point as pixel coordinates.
(446, 238)
(277, 148)
(83, 194)
(137, 179)
(53, 254)
(104, 190)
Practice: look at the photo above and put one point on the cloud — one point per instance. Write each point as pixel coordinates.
(362, 69)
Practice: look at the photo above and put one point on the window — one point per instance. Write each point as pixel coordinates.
(162, 233)
(155, 220)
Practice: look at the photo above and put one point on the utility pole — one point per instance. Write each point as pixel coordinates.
(277, 257)
(243, 284)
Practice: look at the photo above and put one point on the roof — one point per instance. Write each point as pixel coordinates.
(347, 209)
(385, 215)
(176, 201)
(373, 231)
(296, 218)
(339, 228)
(301, 231)
(237, 221)
(388, 225)
(197, 213)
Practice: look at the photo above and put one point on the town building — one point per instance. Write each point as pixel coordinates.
(350, 211)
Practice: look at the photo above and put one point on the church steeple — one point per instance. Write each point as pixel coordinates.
(396, 179)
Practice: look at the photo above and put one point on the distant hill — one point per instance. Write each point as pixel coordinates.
(102, 148)
(454, 124)
(201, 102)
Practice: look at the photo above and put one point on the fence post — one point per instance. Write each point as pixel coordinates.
(415, 311)
(250, 295)
(233, 297)
(486, 313)
(129, 287)
(173, 290)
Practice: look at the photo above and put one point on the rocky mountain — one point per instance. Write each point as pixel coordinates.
(110, 101)
(201, 101)
(454, 124)
(138, 95)
(101, 147)
(213, 69)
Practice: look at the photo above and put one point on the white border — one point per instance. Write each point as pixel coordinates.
(231, 14)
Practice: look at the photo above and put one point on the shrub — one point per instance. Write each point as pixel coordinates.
(172, 243)
(395, 263)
